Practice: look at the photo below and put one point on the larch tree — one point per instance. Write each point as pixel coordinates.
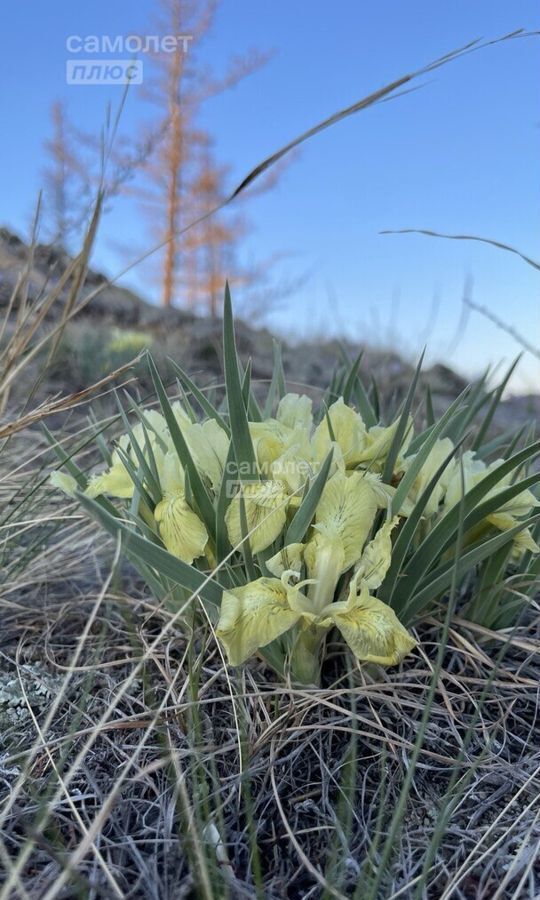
(63, 181)
(182, 180)
(211, 246)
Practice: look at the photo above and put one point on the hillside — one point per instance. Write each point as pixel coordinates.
(195, 341)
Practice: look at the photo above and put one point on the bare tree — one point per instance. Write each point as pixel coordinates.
(170, 167)
(82, 164)
(182, 179)
(211, 247)
(63, 178)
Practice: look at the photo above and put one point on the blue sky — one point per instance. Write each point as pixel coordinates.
(460, 155)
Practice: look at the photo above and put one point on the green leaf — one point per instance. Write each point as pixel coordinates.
(200, 494)
(137, 481)
(150, 476)
(306, 510)
(138, 548)
(100, 440)
(364, 403)
(441, 578)
(245, 379)
(483, 605)
(66, 459)
(478, 398)
(241, 438)
(329, 426)
(402, 426)
(496, 399)
(245, 546)
(351, 378)
(504, 444)
(406, 534)
(430, 412)
(422, 454)
(200, 397)
(250, 401)
(473, 510)
(223, 546)
(277, 388)
(375, 399)
(278, 366)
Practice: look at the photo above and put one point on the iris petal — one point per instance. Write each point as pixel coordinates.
(181, 530)
(347, 509)
(252, 616)
(371, 629)
(265, 505)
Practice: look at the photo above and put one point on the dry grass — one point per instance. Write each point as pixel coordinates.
(134, 764)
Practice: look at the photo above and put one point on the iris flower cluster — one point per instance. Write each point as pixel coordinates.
(329, 578)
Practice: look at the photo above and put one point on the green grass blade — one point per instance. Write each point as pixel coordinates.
(200, 494)
(402, 426)
(306, 511)
(422, 454)
(200, 397)
(241, 438)
(442, 576)
(496, 399)
(139, 548)
(372, 891)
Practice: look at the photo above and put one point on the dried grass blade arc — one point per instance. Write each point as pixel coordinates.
(465, 237)
(375, 97)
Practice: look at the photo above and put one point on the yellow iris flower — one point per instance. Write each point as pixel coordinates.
(328, 580)
(254, 615)
(181, 530)
(259, 612)
(360, 446)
